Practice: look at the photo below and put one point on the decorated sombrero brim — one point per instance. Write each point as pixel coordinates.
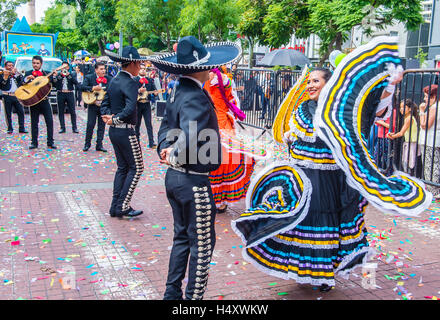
(127, 56)
(220, 53)
(348, 102)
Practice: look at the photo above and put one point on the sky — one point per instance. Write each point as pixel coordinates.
(40, 7)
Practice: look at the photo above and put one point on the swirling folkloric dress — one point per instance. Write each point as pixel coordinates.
(305, 217)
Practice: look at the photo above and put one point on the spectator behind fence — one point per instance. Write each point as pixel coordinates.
(381, 145)
(411, 155)
(429, 137)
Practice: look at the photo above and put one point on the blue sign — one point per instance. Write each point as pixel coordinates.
(29, 44)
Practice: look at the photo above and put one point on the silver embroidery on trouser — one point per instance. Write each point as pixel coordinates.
(137, 154)
(204, 247)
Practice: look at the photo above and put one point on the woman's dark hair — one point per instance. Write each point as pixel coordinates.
(431, 90)
(326, 73)
(408, 103)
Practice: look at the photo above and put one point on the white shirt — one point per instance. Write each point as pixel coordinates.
(13, 86)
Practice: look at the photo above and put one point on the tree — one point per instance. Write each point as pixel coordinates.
(97, 23)
(208, 19)
(284, 18)
(251, 22)
(8, 16)
(61, 18)
(332, 20)
(150, 19)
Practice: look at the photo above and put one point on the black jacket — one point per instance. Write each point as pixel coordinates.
(90, 81)
(149, 86)
(5, 85)
(121, 99)
(58, 81)
(29, 73)
(191, 149)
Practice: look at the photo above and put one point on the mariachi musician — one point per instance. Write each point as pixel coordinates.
(41, 107)
(64, 83)
(96, 81)
(144, 106)
(9, 82)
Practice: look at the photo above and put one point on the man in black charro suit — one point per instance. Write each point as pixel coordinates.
(95, 81)
(189, 143)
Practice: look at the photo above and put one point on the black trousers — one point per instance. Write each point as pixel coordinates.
(78, 96)
(130, 167)
(63, 99)
(194, 210)
(144, 110)
(11, 103)
(41, 108)
(93, 116)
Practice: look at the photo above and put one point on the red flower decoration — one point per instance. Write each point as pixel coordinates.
(37, 73)
(101, 80)
(143, 80)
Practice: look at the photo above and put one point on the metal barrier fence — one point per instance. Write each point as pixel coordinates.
(261, 91)
(414, 144)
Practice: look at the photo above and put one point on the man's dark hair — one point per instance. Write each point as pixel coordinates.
(98, 64)
(65, 62)
(38, 58)
(7, 62)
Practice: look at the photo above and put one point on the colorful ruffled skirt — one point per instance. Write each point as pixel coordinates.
(231, 180)
(321, 237)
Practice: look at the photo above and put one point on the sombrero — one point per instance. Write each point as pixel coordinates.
(191, 56)
(129, 54)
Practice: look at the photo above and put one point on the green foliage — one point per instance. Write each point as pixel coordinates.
(209, 20)
(421, 56)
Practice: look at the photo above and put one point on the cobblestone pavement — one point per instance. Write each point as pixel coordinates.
(57, 240)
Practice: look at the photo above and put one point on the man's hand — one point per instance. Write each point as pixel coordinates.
(142, 89)
(165, 156)
(97, 88)
(108, 119)
(6, 74)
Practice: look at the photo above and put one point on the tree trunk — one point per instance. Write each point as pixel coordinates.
(130, 40)
(251, 53)
(168, 37)
(101, 46)
(336, 44)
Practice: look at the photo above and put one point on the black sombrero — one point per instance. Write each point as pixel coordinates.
(191, 56)
(129, 54)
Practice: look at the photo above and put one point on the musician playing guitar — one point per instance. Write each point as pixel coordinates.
(144, 106)
(95, 82)
(43, 107)
(9, 82)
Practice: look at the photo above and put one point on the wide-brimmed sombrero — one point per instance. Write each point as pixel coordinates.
(191, 56)
(129, 54)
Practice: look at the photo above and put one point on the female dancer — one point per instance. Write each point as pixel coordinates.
(230, 182)
(305, 218)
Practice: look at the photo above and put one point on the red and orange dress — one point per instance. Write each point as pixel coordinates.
(230, 182)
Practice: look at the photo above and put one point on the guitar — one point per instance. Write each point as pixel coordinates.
(34, 92)
(94, 97)
(142, 96)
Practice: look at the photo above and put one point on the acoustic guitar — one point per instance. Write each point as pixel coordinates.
(34, 92)
(94, 97)
(142, 97)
